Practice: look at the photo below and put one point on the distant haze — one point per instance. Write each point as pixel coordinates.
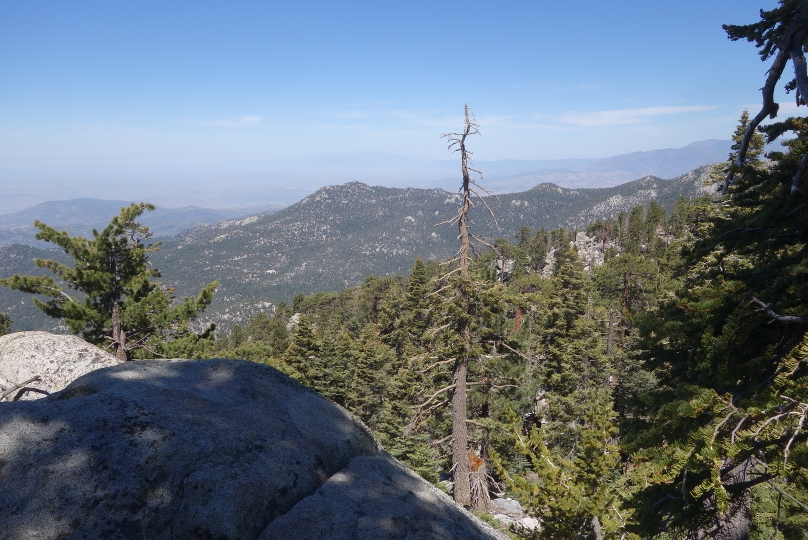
(285, 182)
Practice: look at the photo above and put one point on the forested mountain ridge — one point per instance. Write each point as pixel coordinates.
(340, 234)
(644, 378)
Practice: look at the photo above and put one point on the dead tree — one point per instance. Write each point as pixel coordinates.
(460, 464)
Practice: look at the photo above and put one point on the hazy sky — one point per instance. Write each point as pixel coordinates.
(181, 91)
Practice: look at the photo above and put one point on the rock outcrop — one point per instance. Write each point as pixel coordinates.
(55, 360)
(220, 449)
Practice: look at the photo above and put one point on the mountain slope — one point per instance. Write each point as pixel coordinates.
(340, 234)
(81, 216)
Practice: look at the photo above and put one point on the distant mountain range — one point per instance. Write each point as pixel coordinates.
(503, 176)
(282, 183)
(513, 175)
(338, 235)
(81, 216)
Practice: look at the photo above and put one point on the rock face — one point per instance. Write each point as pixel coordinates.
(57, 360)
(206, 449)
(375, 498)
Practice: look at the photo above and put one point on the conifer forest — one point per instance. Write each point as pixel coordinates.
(662, 393)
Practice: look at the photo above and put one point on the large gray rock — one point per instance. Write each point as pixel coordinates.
(57, 360)
(376, 498)
(210, 449)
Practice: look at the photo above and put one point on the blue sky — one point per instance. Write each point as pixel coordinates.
(193, 91)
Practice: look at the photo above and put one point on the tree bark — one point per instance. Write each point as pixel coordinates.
(118, 334)
(596, 528)
(460, 462)
(734, 524)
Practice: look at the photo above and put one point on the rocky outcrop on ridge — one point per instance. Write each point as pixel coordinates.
(221, 449)
(35, 364)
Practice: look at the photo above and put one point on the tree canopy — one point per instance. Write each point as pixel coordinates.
(118, 302)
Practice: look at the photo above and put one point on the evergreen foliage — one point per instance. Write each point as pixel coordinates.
(5, 324)
(117, 304)
(723, 434)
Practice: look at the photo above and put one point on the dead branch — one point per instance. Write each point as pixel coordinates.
(17, 386)
(450, 221)
(514, 351)
(786, 495)
(791, 319)
(775, 418)
(436, 364)
(152, 351)
(725, 420)
(484, 201)
(444, 276)
(440, 442)
(797, 431)
(423, 414)
(435, 332)
(67, 296)
(738, 427)
(436, 394)
(480, 240)
(498, 386)
(797, 209)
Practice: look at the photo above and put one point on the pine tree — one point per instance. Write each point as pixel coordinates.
(119, 303)
(303, 349)
(395, 431)
(573, 494)
(754, 150)
(330, 368)
(537, 252)
(726, 422)
(367, 374)
(5, 324)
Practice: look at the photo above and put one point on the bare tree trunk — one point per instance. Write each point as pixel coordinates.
(460, 463)
(517, 321)
(735, 523)
(118, 334)
(624, 313)
(596, 528)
